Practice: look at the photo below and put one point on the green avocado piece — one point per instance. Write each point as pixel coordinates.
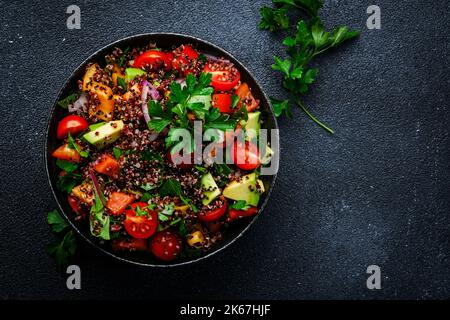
(205, 99)
(244, 189)
(131, 73)
(210, 188)
(104, 135)
(252, 124)
(267, 155)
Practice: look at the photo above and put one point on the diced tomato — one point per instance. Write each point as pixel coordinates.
(246, 156)
(224, 75)
(223, 102)
(234, 214)
(246, 98)
(107, 165)
(75, 205)
(184, 58)
(178, 160)
(166, 245)
(215, 214)
(66, 153)
(131, 244)
(155, 58)
(141, 226)
(119, 201)
(73, 124)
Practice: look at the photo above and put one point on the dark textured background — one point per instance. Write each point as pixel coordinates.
(374, 193)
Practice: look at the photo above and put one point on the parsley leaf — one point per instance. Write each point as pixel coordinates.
(281, 106)
(140, 212)
(66, 165)
(122, 83)
(240, 205)
(148, 187)
(273, 19)
(123, 56)
(170, 187)
(56, 222)
(189, 203)
(166, 212)
(282, 65)
(311, 7)
(73, 145)
(68, 181)
(64, 250)
(64, 103)
(117, 152)
(234, 101)
(158, 124)
(146, 197)
(308, 41)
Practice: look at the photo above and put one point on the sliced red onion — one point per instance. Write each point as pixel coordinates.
(80, 104)
(182, 82)
(144, 95)
(214, 58)
(97, 187)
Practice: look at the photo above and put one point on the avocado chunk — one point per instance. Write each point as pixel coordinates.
(205, 99)
(252, 124)
(244, 189)
(210, 189)
(104, 135)
(131, 73)
(267, 155)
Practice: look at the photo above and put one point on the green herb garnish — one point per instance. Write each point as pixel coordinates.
(73, 145)
(66, 165)
(64, 103)
(240, 205)
(170, 187)
(63, 250)
(307, 41)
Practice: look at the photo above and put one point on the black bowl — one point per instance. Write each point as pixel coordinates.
(163, 40)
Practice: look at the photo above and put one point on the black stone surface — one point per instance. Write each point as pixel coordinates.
(374, 193)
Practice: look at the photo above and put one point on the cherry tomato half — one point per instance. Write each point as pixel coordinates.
(141, 227)
(223, 102)
(73, 124)
(214, 214)
(166, 245)
(154, 58)
(66, 153)
(246, 156)
(237, 214)
(224, 76)
(183, 59)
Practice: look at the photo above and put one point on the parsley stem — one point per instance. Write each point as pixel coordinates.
(300, 104)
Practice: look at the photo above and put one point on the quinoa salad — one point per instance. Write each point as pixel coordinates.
(125, 167)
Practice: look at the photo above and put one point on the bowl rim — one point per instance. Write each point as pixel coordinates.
(67, 82)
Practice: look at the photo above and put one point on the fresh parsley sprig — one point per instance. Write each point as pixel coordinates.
(64, 249)
(307, 41)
